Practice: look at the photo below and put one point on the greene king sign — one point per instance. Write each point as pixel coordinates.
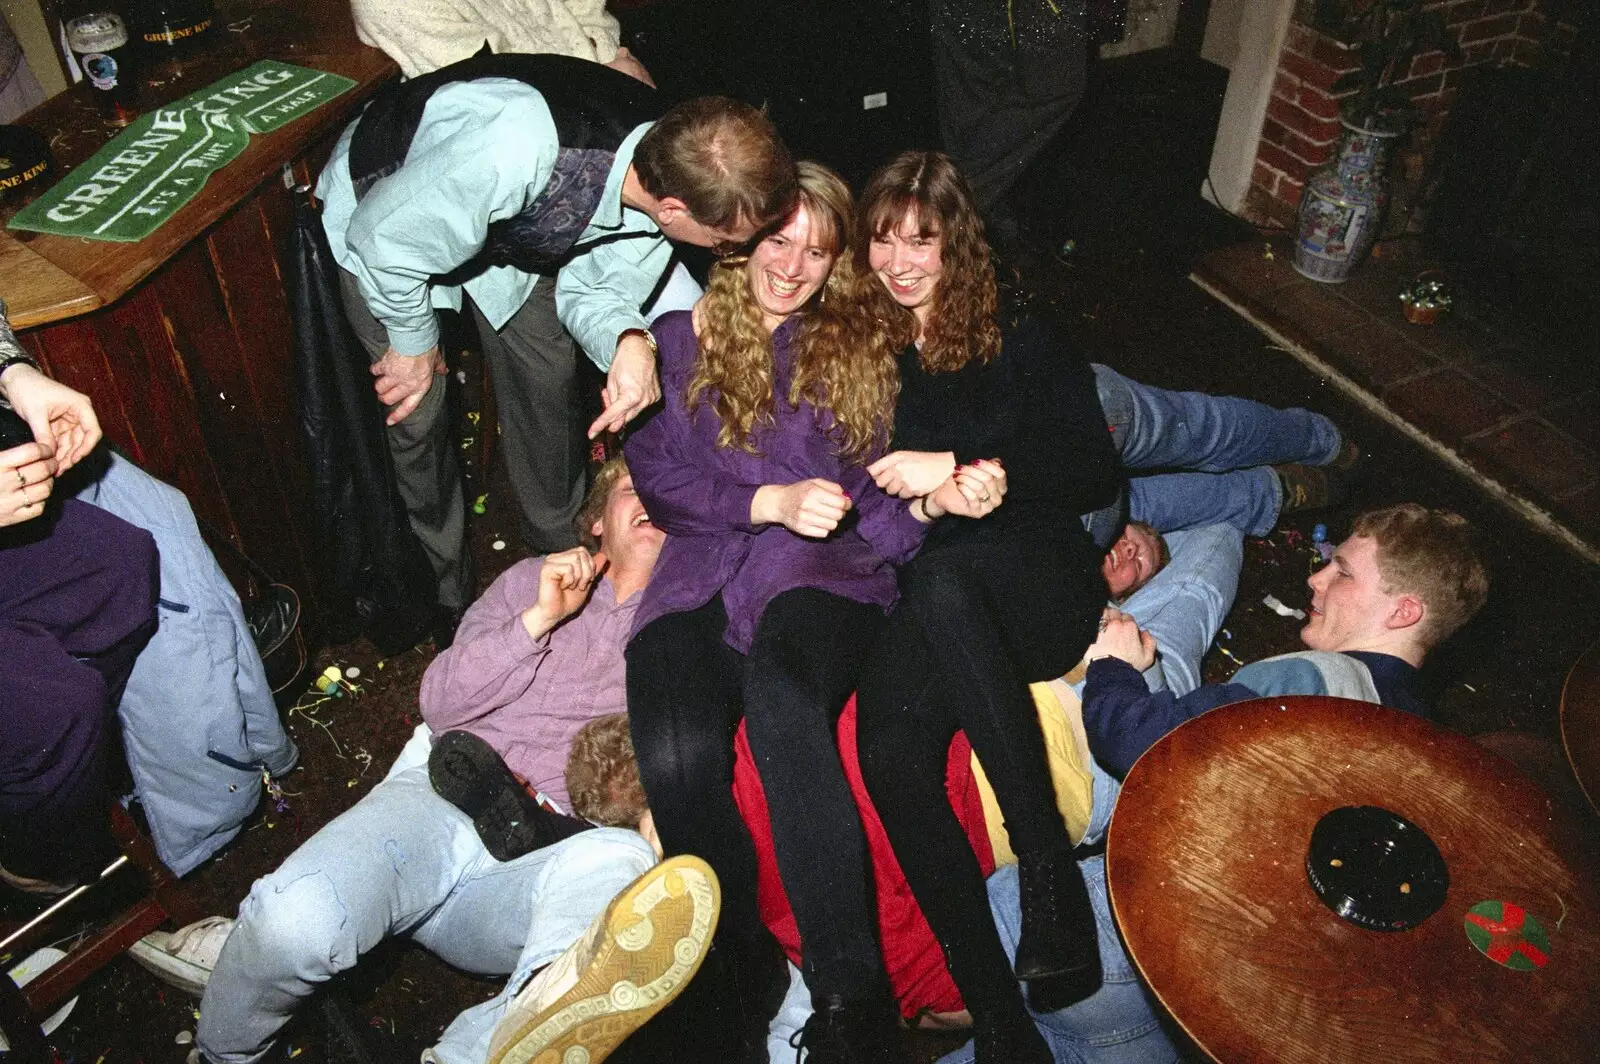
(136, 182)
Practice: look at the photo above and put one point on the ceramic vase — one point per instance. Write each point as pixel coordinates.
(1341, 206)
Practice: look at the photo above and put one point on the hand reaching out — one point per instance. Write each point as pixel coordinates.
(631, 385)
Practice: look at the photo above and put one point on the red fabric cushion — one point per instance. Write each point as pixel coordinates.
(910, 952)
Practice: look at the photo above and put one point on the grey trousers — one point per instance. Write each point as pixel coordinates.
(1001, 103)
(534, 365)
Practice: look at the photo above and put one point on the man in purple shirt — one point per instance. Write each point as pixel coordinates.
(538, 655)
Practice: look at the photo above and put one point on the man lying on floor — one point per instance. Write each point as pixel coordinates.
(536, 657)
(1406, 579)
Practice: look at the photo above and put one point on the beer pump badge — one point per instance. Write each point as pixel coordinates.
(129, 188)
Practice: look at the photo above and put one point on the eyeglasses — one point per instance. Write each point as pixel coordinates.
(723, 248)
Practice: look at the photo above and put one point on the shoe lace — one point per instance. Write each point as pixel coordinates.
(810, 1038)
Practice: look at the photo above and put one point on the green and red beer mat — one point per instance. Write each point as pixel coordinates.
(129, 188)
(1506, 934)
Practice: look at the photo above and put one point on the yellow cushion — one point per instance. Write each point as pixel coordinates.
(1061, 721)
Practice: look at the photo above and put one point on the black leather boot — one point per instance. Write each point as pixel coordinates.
(1059, 942)
(852, 1032)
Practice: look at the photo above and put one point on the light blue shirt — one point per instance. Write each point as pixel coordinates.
(483, 153)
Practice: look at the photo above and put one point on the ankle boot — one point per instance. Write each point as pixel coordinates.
(852, 1032)
(1059, 940)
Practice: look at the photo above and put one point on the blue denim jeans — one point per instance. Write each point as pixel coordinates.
(402, 860)
(1115, 1025)
(1228, 443)
(1155, 428)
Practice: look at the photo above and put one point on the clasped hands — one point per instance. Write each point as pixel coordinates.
(815, 507)
(943, 486)
(65, 430)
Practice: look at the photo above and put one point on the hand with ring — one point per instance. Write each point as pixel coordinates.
(27, 476)
(973, 490)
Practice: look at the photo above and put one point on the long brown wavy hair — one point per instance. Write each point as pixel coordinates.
(844, 362)
(927, 184)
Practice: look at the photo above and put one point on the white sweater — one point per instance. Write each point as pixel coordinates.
(423, 35)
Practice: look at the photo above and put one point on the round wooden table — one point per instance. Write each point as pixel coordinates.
(1206, 865)
(1580, 722)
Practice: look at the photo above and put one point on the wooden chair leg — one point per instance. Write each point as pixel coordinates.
(27, 1040)
(171, 895)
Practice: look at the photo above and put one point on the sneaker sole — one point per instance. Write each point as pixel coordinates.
(657, 932)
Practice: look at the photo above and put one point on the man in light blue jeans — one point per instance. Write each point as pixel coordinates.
(539, 654)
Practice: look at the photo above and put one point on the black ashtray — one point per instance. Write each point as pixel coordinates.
(1375, 868)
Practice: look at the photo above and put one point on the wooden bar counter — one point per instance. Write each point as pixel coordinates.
(184, 340)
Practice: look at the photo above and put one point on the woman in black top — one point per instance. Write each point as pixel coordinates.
(988, 606)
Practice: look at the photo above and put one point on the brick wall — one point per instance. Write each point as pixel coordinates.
(1301, 130)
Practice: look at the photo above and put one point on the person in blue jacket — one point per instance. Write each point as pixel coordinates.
(1405, 580)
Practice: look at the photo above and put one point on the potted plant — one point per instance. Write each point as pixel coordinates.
(1342, 205)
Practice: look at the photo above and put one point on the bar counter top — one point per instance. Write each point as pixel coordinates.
(45, 278)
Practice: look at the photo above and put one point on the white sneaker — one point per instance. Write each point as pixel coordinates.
(184, 958)
(635, 958)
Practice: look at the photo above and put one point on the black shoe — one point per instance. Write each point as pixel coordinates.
(1307, 487)
(841, 1032)
(1059, 943)
(467, 772)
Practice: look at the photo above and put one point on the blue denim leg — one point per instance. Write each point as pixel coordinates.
(398, 859)
(573, 883)
(1247, 499)
(1155, 428)
(1115, 1025)
(1182, 608)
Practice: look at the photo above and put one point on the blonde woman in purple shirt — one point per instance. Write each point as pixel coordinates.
(772, 586)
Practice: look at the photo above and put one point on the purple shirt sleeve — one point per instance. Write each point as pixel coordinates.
(682, 487)
(493, 661)
(886, 522)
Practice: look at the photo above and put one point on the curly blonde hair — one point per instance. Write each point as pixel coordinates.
(845, 347)
(603, 775)
(926, 186)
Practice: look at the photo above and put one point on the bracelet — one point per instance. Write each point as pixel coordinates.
(16, 359)
(917, 504)
(644, 334)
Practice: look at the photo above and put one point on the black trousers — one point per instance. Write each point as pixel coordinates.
(688, 690)
(976, 624)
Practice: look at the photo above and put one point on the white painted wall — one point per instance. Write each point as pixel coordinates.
(1224, 23)
(1244, 108)
(28, 23)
